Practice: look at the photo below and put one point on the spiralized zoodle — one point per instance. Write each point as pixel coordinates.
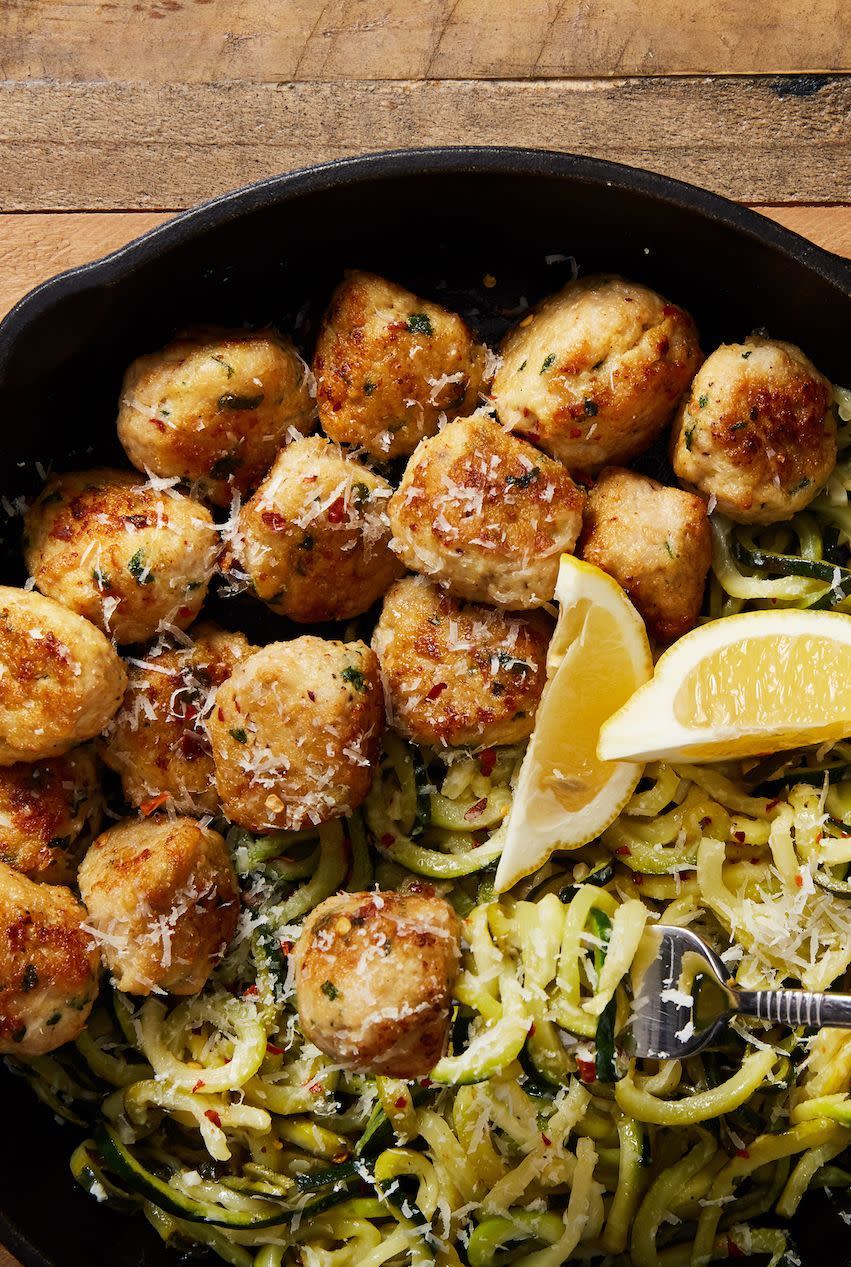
(528, 1143)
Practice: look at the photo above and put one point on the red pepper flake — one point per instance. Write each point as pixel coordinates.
(740, 836)
(575, 433)
(637, 879)
(623, 852)
(476, 810)
(546, 1139)
(387, 840)
(437, 689)
(425, 1082)
(148, 807)
(198, 1085)
(799, 880)
(733, 1250)
(311, 695)
(316, 1088)
(286, 947)
(487, 761)
(184, 612)
(220, 714)
(742, 1152)
(531, 1029)
(273, 1050)
(401, 1102)
(337, 511)
(773, 804)
(252, 990)
(212, 1116)
(587, 1069)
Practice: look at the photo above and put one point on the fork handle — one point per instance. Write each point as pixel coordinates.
(795, 1007)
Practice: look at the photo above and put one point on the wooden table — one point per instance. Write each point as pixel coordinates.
(114, 113)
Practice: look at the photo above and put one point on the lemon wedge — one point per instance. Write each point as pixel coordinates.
(599, 655)
(742, 686)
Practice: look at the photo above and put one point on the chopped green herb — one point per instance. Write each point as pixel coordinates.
(231, 401)
(737, 426)
(30, 980)
(745, 355)
(223, 467)
(194, 585)
(689, 436)
(703, 401)
(100, 579)
(360, 493)
(670, 549)
(307, 542)
(796, 488)
(522, 366)
(330, 990)
(420, 323)
(139, 570)
(239, 735)
(511, 663)
(217, 356)
(368, 388)
(548, 362)
(354, 677)
(524, 480)
(590, 408)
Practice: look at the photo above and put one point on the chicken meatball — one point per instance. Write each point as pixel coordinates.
(374, 975)
(158, 741)
(296, 731)
(595, 372)
(459, 673)
(485, 514)
(390, 366)
(313, 540)
(60, 678)
(655, 541)
(120, 552)
(756, 433)
(214, 407)
(49, 812)
(163, 902)
(48, 966)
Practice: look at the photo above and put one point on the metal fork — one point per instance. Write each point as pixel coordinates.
(685, 998)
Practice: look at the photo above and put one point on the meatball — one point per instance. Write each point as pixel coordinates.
(48, 966)
(158, 740)
(486, 514)
(756, 433)
(60, 679)
(313, 540)
(390, 366)
(214, 407)
(296, 731)
(374, 975)
(655, 541)
(595, 372)
(49, 812)
(120, 552)
(163, 902)
(459, 673)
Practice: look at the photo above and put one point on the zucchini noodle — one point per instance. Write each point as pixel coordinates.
(533, 1141)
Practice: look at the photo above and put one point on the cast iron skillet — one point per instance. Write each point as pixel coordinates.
(437, 220)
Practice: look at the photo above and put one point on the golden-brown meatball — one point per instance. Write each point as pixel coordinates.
(655, 541)
(595, 372)
(485, 514)
(60, 678)
(296, 731)
(389, 366)
(49, 812)
(313, 540)
(163, 901)
(214, 407)
(456, 672)
(374, 977)
(121, 552)
(158, 740)
(756, 433)
(48, 966)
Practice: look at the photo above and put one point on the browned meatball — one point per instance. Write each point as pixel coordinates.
(459, 673)
(756, 433)
(49, 811)
(595, 372)
(158, 740)
(120, 552)
(314, 538)
(163, 900)
(485, 514)
(48, 966)
(655, 541)
(214, 407)
(374, 977)
(389, 366)
(60, 679)
(296, 731)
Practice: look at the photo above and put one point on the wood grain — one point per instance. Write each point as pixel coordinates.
(122, 145)
(34, 247)
(270, 40)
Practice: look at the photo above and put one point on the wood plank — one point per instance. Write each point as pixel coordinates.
(34, 247)
(101, 146)
(270, 40)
